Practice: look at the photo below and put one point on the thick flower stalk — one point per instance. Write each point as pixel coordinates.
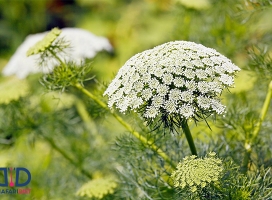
(172, 83)
(250, 142)
(196, 173)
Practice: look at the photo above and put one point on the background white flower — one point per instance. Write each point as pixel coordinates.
(182, 79)
(82, 44)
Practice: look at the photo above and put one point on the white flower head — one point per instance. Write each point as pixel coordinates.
(82, 44)
(178, 79)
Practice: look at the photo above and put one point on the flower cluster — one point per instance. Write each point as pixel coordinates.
(194, 173)
(98, 188)
(82, 44)
(45, 43)
(178, 79)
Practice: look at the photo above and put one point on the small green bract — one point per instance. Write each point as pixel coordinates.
(66, 75)
(45, 43)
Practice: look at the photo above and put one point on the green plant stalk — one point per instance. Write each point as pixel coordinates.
(143, 139)
(57, 57)
(263, 112)
(67, 157)
(189, 137)
(90, 125)
(248, 144)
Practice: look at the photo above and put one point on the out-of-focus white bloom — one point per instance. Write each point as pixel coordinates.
(82, 44)
(176, 78)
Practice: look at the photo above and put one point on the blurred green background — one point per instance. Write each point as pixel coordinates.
(31, 118)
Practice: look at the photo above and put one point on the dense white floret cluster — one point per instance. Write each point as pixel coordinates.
(177, 78)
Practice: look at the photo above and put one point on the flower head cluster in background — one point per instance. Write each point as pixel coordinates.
(195, 173)
(98, 188)
(177, 79)
(82, 44)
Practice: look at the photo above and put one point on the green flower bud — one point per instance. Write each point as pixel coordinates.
(195, 173)
(45, 43)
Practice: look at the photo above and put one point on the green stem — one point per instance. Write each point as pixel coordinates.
(248, 143)
(263, 112)
(90, 125)
(57, 57)
(143, 139)
(67, 157)
(189, 137)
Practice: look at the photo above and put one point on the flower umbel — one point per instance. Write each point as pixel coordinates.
(176, 80)
(194, 173)
(69, 44)
(98, 188)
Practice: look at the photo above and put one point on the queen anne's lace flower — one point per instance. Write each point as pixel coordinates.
(196, 173)
(177, 78)
(82, 44)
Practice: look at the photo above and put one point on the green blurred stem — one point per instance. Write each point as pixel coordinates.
(143, 139)
(263, 112)
(57, 57)
(82, 111)
(189, 137)
(90, 125)
(248, 144)
(66, 156)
